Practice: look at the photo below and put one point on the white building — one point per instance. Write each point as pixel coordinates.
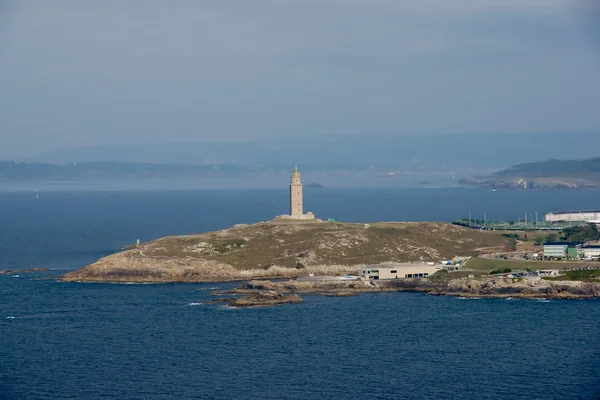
(574, 216)
(555, 250)
(398, 271)
(590, 252)
(549, 272)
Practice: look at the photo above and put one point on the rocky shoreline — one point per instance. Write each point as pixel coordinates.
(259, 299)
(289, 250)
(23, 271)
(257, 291)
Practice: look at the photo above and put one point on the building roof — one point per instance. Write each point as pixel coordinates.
(397, 266)
(573, 212)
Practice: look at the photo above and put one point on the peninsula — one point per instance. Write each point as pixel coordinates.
(330, 258)
(285, 249)
(292, 245)
(551, 174)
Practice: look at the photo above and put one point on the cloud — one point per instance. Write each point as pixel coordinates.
(6, 14)
(99, 72)
(238, 40)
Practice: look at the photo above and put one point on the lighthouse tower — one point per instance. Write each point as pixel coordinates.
(296, 195)
(296, 211)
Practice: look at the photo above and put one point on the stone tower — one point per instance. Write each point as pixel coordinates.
(296, 194)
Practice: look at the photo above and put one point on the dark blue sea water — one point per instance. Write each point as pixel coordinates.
(98, 341)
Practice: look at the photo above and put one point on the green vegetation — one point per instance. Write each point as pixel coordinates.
(515, 237)
(485, 264)
(590, 275)
(501, 271)
(445, 276)
(228, 245)
(510, 245)
(466, 222)
(388, 230)
(583, 233)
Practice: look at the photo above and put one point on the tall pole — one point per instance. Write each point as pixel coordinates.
(536, 217)
(469, 218)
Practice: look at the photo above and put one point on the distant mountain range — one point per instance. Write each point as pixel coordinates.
(555, 168)
(551, 174)
(97, 171)
(340, 161)
(385, 152)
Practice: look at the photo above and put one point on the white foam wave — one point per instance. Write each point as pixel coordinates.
(11, 317)
(194, 304)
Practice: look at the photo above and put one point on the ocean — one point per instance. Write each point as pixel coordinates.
(108, 341)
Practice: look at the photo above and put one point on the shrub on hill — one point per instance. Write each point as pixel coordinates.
(501, 271)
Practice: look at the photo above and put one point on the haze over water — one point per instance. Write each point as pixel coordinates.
(99, 341)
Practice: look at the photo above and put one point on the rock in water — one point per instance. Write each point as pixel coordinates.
(264, 299)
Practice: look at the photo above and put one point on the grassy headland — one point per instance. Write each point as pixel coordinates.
(285, 249)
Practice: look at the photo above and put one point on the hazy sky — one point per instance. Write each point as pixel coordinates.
(94, 72)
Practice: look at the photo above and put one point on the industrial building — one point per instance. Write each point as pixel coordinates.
(590, 252)
(398, 271)
(574, 216)
(563, 250)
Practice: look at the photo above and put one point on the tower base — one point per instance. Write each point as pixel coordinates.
(301, 217)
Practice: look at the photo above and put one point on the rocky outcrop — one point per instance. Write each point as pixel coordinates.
(464, 287)
(524, 288)
(23, 271)
(265, 299)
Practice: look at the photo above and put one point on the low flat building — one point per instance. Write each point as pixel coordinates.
(591, 252)
(549, 272)
(398, 271)
(574, 216)
(562, 249)
(555, 250)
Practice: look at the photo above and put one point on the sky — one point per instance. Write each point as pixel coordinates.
(77, 73)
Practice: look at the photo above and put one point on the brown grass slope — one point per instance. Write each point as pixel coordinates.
(278, 249)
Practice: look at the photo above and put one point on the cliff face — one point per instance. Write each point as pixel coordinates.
(284, 249)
